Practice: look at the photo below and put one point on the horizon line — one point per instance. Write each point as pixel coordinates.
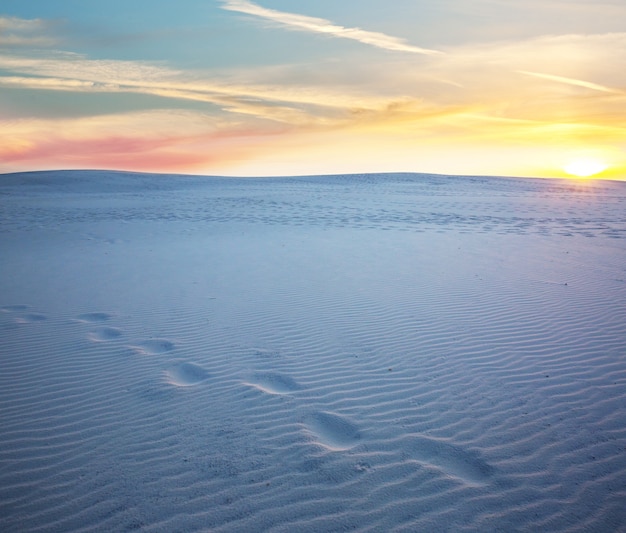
(292, 176)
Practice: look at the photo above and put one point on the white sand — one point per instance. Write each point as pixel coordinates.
(371, 353)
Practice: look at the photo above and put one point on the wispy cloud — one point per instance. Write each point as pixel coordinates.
(483, 80)
(319, 25)
(24, 32)
(488, 94)
(571, 81)
(288, 103)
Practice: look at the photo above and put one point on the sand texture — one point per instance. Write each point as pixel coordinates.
(380, 353)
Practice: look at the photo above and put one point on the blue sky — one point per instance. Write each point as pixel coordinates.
(289, 87)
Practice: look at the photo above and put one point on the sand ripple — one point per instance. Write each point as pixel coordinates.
(318, 354)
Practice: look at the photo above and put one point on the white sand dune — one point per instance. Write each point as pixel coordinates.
(371, 353)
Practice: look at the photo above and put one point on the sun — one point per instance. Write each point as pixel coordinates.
(585, 167)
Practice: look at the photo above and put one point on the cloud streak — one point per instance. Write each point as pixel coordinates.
(323, 26)
(290, 104)
(571, 81)
(24, 32)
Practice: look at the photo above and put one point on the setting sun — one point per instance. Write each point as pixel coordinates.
(584, 168)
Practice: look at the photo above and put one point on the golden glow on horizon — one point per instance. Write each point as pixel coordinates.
(534, 105)
(585, 167)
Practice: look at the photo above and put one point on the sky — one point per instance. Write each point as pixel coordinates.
(288, 87)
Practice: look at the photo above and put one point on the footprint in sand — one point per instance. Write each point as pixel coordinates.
(272, 383)
(186, 375)
(333, 431)
(13, 308)
(29, 318)
(104, 334)
(93, 317)
(154, 346)
(450, 458)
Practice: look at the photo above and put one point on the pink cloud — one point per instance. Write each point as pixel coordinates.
(183, 153)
